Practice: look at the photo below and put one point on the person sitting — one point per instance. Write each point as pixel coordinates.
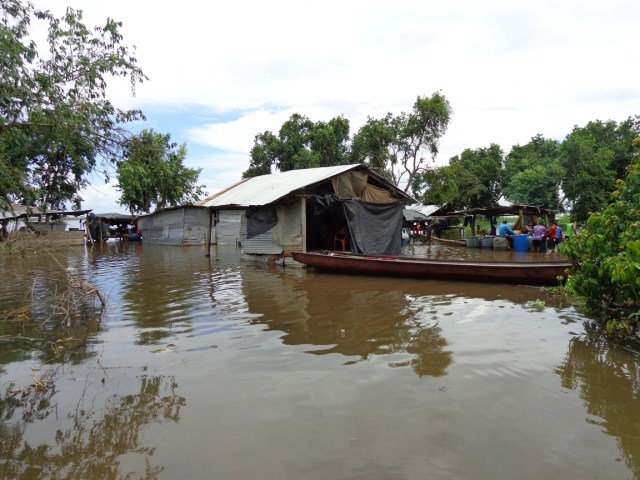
(505, 231)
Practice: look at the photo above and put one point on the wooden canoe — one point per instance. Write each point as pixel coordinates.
(541, 273)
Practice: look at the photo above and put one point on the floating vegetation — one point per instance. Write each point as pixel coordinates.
(35, 399)
(58, 298)
(537, 305)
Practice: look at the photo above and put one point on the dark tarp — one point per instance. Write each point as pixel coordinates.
(321, 203)
(374, 228)
(260, 220)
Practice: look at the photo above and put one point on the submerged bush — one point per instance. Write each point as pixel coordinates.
(606, 258)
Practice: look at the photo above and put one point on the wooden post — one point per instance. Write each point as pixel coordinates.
(303, 218)
(522, 225)
(208, 236)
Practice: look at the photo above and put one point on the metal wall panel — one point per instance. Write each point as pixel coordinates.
(261, 244)
(180, 226)
(228, 228)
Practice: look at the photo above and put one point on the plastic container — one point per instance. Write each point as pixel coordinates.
(520, 243)
(473, 242)
(500, 243)
(487, 241)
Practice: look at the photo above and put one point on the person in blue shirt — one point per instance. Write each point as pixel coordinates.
(558, 235)
(505, 231)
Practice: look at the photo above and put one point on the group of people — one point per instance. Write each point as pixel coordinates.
(543, 238)
(422, 231)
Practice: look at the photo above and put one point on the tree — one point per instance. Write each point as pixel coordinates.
(442, 186)
(55, 119)
(153, 173)
(536, 185)
(263, 155)
(532, 174)
(329, 142)
(376, 145)
(419, 135)
(470, 180)
(405, 143)
(300, 143)
(588, 177)
(606, 257)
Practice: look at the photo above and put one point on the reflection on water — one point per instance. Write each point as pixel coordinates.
(95, 441)
(212, 367)
(341, 317)
(608, 381)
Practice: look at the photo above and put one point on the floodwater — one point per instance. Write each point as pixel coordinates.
(208, 368)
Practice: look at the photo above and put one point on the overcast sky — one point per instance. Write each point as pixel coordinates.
(222, 72)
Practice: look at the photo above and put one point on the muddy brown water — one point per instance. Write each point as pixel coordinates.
(217, 368)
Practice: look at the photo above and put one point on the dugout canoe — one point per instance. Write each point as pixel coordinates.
(535, 273)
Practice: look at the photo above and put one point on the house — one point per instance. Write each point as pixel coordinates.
(346, 207)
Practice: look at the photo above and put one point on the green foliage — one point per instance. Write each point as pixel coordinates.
(400, 147)
(55, 118)
(300, 143)
(153, 173)
(443, 187)
(606, 256)
(592, 158)
(375, 145)
(470, 180)
(263, 155)
(396, 147)
(532, 175)
(537, 305)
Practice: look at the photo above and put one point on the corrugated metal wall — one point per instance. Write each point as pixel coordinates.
(289, 228)
(196, 222)
(180, 226)
(260, 244)
(228, 228)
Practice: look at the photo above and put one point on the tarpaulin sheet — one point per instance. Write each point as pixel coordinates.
(374, 194)
(374, 228)
(260, 219)
(350, 184)
(288, 231)
(321, 203)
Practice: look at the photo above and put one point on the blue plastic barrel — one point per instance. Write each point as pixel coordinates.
(521, 243)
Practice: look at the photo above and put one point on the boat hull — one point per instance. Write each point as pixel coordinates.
(541, 273)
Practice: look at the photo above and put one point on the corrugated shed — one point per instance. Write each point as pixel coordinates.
(265, 189)
(177, 226)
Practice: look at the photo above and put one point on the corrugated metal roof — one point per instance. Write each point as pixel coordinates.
(426, 209)
(413, 215)
(21, 211)
(265, 189)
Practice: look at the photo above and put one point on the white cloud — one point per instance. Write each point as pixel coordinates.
(102, 197)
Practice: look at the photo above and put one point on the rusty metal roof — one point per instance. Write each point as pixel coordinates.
(266, 189)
